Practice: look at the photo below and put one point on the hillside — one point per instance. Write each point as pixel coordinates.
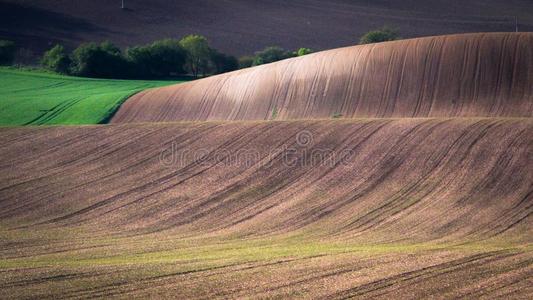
(37, 98)
(243, 26)
(423, 189)
(359, 177)
(470, 75)
(361, 208)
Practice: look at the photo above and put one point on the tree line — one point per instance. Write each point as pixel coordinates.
(189, 56)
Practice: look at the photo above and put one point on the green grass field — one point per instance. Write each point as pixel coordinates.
(38, 98)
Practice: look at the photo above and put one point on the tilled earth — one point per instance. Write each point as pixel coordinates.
(378, 208)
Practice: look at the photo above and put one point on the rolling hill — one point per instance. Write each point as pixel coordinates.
(386, 171)
(243, 26)
(341, 208)
(470, 75)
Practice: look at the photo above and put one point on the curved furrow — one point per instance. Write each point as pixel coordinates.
(469, 75)
(415, 179)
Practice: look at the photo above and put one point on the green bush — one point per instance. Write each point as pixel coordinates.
(7, 52)
(303, 51)
(57, 60)
(270, 54)
(380, 35)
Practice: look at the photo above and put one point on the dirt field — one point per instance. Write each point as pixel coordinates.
(473, 75)
(341, 208)
(243, 26)
(391, 171)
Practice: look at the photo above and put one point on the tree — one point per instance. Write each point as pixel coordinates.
(159, 59)
(57, 60)
(7, 52)
(101, 61)
(270, 54)
(223, 63)
(303, 51)
(141, 59)
(246, 61)
(110, 48)
(380, 35)
(198, 53)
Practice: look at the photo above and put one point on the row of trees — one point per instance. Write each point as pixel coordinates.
(192, 55)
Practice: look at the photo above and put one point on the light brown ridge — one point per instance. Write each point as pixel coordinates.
(483, 75)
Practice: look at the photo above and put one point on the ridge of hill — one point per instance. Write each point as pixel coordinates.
(469, 75)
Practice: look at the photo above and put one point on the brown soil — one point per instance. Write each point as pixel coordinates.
(439, 207)
(386, 179)
(351, 208)
(472, 75)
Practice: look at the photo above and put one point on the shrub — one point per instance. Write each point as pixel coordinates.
(270, 54)
(198, 53)
(57, 60)
(303, 51)
(7, 52)
(380, 35)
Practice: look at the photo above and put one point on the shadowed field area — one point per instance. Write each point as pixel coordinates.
(241, 27)
(36, 98)
(340, 208)
(470, 75)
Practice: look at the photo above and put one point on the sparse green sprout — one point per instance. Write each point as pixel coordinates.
(274, 113)
(336, 115)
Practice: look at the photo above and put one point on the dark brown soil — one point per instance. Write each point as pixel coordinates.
(244, 26)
